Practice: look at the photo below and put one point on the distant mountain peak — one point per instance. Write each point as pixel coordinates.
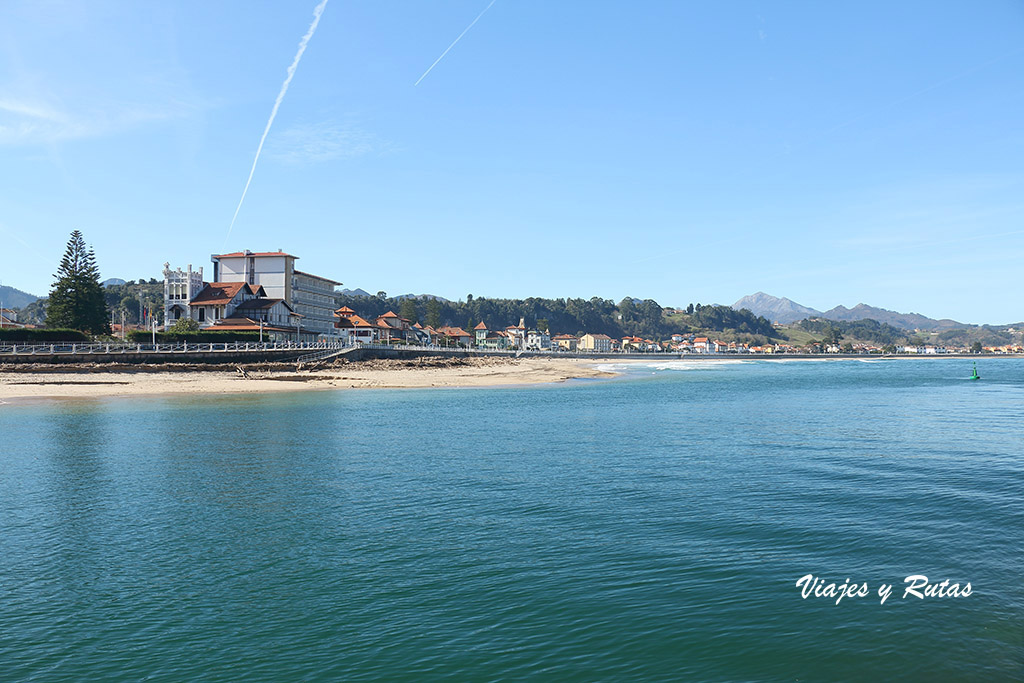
(776, 309)
(905, 321)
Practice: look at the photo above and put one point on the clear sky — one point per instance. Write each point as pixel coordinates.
(832, 153)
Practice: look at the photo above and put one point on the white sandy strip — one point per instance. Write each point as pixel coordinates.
(44, 385)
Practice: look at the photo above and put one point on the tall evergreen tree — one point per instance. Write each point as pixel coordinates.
(76, 300)
(433, 313)
(409, 311)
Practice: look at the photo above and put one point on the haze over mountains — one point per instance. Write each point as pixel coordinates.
(786, 311)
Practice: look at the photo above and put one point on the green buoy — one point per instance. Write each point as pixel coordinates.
(974, 373)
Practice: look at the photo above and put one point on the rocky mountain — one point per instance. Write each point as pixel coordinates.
(422, 297)
(355, 292)
(905, 321)
(776, 309)
(15, 298)
(787, 311)
(112, 281)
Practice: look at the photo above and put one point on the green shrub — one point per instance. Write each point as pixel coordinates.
(205, 337)
(25, 335)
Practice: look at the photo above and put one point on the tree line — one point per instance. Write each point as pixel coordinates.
(832, 331)
(645, 318)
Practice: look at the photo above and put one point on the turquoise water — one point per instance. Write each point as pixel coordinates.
(651, 527)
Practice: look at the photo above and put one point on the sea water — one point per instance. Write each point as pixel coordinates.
(650, 527)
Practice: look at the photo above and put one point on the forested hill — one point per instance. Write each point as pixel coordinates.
(572, 316)
(861, 330)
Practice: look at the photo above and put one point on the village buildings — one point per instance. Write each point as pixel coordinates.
(598, 343)
(253, 291)
(263, 291)
(9, 318)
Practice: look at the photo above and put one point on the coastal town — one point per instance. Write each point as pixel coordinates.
(263, 293)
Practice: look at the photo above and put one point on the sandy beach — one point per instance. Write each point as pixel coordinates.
(95, 381)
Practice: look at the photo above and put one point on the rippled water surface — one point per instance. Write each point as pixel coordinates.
(650, 527)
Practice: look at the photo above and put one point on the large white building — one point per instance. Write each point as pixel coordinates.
(180, 287)
(311, 296)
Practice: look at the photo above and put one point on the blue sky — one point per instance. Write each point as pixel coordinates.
(687, 152)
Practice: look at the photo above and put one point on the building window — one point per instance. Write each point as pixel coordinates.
(202, 315)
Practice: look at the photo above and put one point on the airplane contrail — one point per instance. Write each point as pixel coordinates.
(319, 10)
(453, 43)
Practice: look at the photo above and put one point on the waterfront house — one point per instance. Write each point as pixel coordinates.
(565, 342)
(424, 335)
(516, 335)
(238, 307)
(9, 318)
(538, 340)
(451, 336)
(701, 345)
(311, 296)
(480, 332)
(308, 299)
(598, 343)
(392, 327)
(352, 328)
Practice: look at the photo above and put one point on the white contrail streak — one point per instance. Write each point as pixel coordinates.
(453, 43)
(277, 103)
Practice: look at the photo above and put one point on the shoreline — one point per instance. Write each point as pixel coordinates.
(20, 384)
(85, 381)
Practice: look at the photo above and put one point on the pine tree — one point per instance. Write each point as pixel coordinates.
(434, 313)
(76, 301)
(409, 311)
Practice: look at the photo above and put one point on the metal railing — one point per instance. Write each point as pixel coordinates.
(83, 348)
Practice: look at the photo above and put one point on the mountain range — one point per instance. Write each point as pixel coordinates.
(363, 292)
(786, 311)
(15, 298)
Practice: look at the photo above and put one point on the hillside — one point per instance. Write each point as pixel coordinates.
(15, 298)
(573, 316)
(905, 321)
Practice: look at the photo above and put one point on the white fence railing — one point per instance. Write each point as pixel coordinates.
(70, 348)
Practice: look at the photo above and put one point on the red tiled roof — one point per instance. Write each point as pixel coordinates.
(239, 254)
(245, 325)
(344, 310)
(353, 321)
(481, 326)
(218, 293)
(389, 314)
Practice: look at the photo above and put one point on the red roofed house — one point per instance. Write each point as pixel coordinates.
(481, 333)
(565, 342)
(390, 326)
(308, 299)
(516, 335)
(352, 328)
(237, 307)
(9, 318)
(309, 295)
(454, 335)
